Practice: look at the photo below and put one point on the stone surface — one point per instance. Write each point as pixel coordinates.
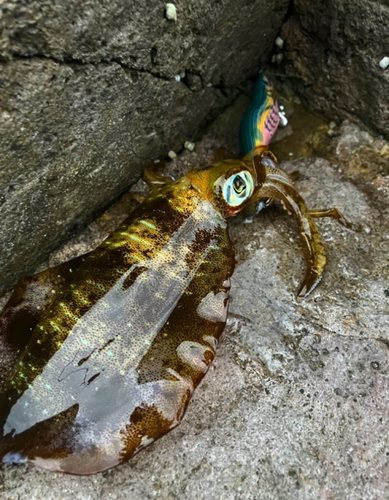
(333, 50)
(88, 96)
(296, 404)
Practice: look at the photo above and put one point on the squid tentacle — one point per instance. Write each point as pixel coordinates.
(274, 183)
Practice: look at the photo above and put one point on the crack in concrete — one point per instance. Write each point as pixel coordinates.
(70, 61)
(79, 62)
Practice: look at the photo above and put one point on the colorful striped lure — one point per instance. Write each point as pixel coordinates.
(100, 356)
(261, 119)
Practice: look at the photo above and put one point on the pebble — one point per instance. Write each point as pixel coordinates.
(172, 155)
(384, 63)
(332, 125)
(189, 145)
(171, 12)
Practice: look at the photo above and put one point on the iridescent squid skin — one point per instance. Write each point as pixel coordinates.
(100, 356)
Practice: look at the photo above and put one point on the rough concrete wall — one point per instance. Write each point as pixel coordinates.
(334, 49)
(88, 96)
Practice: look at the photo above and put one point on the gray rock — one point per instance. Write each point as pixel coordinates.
(296, 404)
(333, 49)
(88, 97)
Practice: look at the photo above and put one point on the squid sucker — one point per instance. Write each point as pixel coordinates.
(100, 355)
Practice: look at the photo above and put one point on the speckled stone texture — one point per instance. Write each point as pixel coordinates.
(88, 96)
(296, 404)
(333, 50)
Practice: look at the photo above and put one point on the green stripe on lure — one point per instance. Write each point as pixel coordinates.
(100, 356)
(261, 119)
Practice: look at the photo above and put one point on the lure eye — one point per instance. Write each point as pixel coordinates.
(238, 188)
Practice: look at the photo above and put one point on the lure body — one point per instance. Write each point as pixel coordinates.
(260, 122)
(100, 355)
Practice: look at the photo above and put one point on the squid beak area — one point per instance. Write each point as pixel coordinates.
(274, 183)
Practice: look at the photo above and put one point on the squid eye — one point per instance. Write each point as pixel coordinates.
(238, 188)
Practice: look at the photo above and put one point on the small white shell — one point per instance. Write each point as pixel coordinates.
(279, 42)
(189, 145)
(279, 58)
(171, 12)
(384, 63)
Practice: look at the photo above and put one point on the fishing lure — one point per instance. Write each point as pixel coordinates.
(261, 120)
(100, 355)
